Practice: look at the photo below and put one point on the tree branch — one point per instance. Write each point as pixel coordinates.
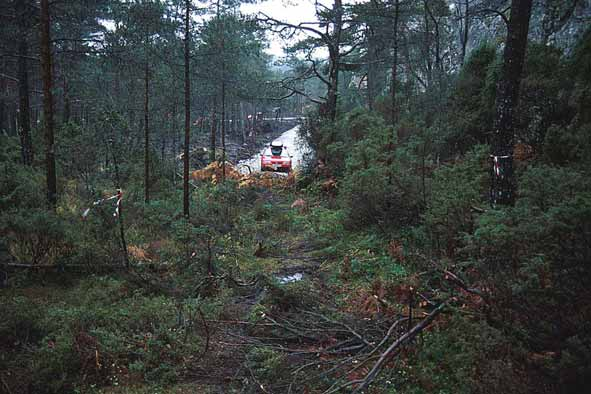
(397, 344)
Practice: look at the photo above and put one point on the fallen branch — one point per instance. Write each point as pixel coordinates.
(459, 282)
(352, 331)
(396, 345)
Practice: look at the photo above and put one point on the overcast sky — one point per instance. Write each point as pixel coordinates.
(293, 11)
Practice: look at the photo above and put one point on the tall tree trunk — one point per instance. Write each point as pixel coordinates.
(187, 111)
(3, 106)
(503, 183)
(223, 44)
(243, 125)
(174, 136)
(427, 44)
(334, 57)
(66, 114)
(394, 76)
(372, 67)
(23, 85)
(223, 129)
(147, 134)
(48, 105)
(212, 137)
(465, 30)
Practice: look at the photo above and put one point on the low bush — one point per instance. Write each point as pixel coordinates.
(102, 332)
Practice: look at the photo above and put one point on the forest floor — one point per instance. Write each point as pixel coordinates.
(247, 322)
(282, 312)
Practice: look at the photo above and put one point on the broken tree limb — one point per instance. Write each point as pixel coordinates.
(459, 282)
(361, 338)
(396, 345)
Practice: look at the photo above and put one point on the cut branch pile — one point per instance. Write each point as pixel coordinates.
(327, 346)
(213, 173)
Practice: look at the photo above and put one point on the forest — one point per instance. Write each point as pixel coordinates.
(295, 196)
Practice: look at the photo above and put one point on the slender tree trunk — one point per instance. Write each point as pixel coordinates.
(174, 134)
(23, 85)
(223, 44)
(223, 130)
(163, 139)
(66, 114)
(334, 56)
(212, 137)
(3, 109)
(124, 249)
(48, 105)
(187, 111)
(147, 134)
(503, 183)
(372, 67)
(465, 30)
(243, 125)
(394, 76)
(427, 44)
(438, 62)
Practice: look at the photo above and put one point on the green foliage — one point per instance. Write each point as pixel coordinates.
(470, 113)
(78, 153)
(542, 102)
(579, 67)
(21, 187)
(568, 145)
(464, 356)
(381, 187)
(21, 323)
(36, 236)
(457, 188)
(102, 331)
(532, 257)
(265, 363)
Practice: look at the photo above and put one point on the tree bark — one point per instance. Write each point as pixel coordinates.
(334, 57)
(503, 183)
(394, 76)
(23, 85)
(147, 133)
(372, 67)
(46, 73)
(187, 112)
(223, 130)
(67, 110)
(3, 107)
(243, 125)
(223, 44)
(212, 137)
(465, 31)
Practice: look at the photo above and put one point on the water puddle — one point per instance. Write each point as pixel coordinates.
(290, 278)
(297, 148)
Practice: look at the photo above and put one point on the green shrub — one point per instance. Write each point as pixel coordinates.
(21, 321)
(103, 329)
(265, 363)
(36, 236)
(456, 189)
(461, 356)
(532, 258)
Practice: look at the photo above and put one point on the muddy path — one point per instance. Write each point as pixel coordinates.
(297, 148)
(236, 149)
